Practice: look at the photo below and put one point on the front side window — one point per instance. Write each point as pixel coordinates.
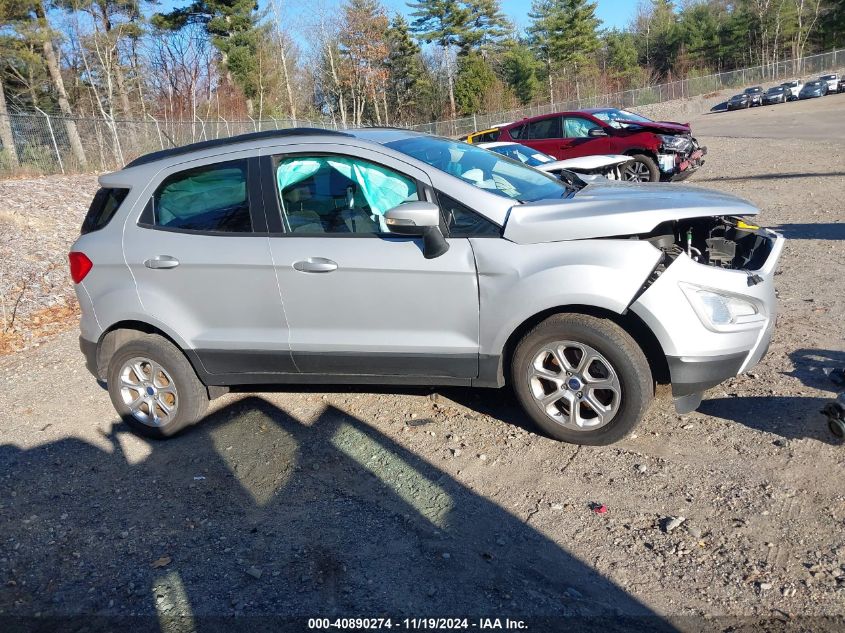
(339, 194)
(212, 198)
(463, 221)
(518, 132)
(576, 127)
(486, 170)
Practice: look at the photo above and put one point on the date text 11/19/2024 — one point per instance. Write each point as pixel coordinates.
(416, 624)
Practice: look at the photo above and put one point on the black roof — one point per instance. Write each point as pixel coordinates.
(231, 140)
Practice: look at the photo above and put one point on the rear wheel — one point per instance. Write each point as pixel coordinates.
(641, 169)
(154, 388)
(582, 379)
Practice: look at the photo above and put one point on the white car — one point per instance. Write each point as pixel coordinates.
(794, 87)
(832, 81)
(609, 166)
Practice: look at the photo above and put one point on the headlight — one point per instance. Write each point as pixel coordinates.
(721, 311)
(677, 143)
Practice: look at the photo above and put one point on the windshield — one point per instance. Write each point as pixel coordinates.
(776, 89)
(523, 154)
(483, 169)
(753, 91)
(813, 84)
(829, 77)
(616, 117)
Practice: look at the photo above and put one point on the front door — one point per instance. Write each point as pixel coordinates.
(200, 256)
(577, 140)
(358, 300)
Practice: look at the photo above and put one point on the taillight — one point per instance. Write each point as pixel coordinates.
(80, 266)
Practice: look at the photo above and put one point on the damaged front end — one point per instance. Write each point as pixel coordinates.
(711, 300)
(680, 155)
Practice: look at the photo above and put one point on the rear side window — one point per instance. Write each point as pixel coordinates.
(212, 199)
(487, 137)
(105, 204)
(544, 128)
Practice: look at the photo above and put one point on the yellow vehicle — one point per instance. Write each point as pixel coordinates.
(484, 136)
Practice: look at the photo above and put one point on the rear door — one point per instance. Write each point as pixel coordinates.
(544, 135)
(200, 255)
(577, 140)
(360, 301)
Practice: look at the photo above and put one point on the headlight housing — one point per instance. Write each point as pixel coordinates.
(676, 143)
(721, 311)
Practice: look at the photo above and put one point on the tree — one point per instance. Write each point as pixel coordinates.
(364, 51)
(519, 67)
(485, 28)
(620, 55)
(445, 23)
(234, 31)
(407, 75)
(475, 77)
(564, 33)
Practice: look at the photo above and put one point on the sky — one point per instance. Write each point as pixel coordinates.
(612, 13)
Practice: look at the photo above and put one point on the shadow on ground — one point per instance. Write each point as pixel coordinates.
(820, 231)
(790, 417)
(810, 365)
(257, 513)
(781, 176)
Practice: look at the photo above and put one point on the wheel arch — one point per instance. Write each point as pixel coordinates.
(122, 332)
(628, 321)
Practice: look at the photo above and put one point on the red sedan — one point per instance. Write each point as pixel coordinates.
(661, 150)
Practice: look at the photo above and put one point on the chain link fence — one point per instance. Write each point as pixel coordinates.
(813, 65)
(47, 144)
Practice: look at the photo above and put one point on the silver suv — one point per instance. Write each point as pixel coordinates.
(383, 256)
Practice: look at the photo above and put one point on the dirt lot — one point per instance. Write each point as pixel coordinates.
(323, 503)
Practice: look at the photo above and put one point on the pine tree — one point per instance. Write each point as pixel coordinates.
(475, 77)
(406, 72)
(445, 23)
(234, 31)
(564, 35)
(519, 67)
(486, 25)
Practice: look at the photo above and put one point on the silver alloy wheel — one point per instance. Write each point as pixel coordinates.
(575, 385)
(149, 391)
(636, 172)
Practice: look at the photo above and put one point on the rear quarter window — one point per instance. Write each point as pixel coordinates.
(105, 204)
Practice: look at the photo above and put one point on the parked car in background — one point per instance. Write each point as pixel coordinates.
(662, 150)
(385, 256)
(612, 167)
(794, 86)
(776, 94)
(832, 81)
(755, 94)
(484, 136)
(739, 102)
(813, 89)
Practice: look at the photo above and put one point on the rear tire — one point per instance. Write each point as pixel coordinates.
(642, 169)
(539, 373)
(154, 388)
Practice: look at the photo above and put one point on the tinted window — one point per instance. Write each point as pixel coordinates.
(517, 132)
(480, 168)
(544, 128)
(105, 204)
(212, 198)
(463, 221)
(487, 137)
(339, 194)
(576, 127)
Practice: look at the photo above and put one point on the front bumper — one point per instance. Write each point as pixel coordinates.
(680, 166)
(699, 356)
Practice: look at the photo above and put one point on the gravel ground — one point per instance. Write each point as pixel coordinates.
(421, 503)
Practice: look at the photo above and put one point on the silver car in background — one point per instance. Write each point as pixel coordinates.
(380, 256)
(610, 166)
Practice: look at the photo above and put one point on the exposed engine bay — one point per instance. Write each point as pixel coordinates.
(723, 242)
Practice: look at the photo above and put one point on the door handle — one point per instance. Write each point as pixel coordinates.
(161, 261)
(315, 265)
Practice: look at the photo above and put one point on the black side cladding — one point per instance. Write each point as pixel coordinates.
(105, 204)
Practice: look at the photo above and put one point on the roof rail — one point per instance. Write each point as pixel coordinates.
(231, 140)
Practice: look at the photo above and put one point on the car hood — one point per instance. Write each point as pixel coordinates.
(611, 208)
(586, 163)
(662, 127)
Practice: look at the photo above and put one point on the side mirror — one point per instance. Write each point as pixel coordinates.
(419, 219)
(596, 132)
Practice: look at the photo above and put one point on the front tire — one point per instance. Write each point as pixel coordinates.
(154, 388)
(642, 169)
(582, 379)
